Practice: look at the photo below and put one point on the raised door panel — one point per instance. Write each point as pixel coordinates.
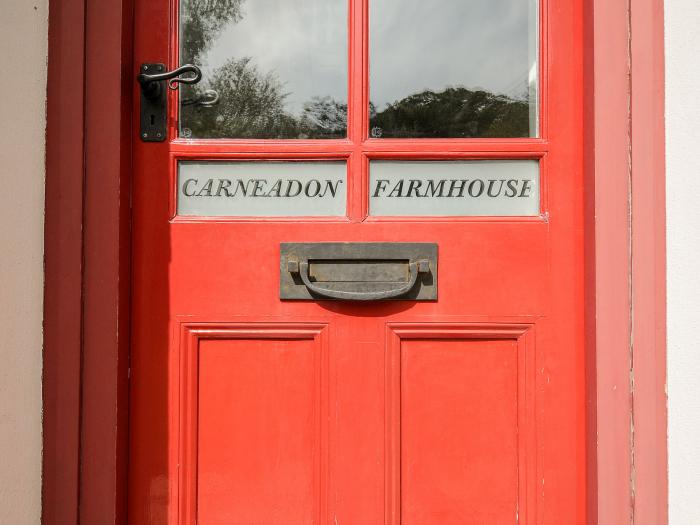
(253, 439)
(459, 427)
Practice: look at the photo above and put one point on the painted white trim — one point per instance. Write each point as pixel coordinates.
(683, 238)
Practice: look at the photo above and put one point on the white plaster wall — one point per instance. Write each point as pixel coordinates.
(23, 48)
(683, 212)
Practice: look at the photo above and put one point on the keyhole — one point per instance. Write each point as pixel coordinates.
(153, 120)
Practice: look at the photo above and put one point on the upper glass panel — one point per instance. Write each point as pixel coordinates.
(453, 68)
(273, 69)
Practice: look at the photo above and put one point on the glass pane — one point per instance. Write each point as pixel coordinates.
(261, 189)
(276, 69)
(455, 188)
(453, 68)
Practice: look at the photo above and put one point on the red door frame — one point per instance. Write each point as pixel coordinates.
(87, 254)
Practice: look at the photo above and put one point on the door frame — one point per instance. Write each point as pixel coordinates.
(87, 262)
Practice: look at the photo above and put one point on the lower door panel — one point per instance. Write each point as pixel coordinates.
(350, 421)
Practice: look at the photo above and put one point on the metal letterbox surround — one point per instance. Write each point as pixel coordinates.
(359, 271)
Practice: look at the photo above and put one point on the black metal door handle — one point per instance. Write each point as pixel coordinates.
(154, 96)
(150, 81)
(414, 269)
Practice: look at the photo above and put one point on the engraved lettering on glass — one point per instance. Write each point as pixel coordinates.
(261, 189)
(272, 69)
(453, 68)
(455, 188)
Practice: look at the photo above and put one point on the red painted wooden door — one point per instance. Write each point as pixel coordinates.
(249, 409)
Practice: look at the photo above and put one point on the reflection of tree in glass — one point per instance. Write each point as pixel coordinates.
(454, 112)
(252, 106)
(201, 21)
(252, 103)
(324, 117)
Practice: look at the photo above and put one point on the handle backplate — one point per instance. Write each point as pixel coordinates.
(152, 78)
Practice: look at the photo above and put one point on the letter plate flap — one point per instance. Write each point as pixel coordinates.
(349, 271)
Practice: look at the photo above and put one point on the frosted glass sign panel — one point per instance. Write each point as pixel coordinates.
(273, 69)
(261, 189)
(455, 188)
(453, 68)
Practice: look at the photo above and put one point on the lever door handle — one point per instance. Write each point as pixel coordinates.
(150, 82)
(414, 269)
(154, 96)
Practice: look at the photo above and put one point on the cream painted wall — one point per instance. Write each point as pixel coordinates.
(23, 48)
(683, 212)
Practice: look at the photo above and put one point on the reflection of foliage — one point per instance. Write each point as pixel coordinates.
(252, 105)
(454, 112)
(324, 117)
(201, 22)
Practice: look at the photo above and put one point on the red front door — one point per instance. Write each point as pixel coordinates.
(455, 124)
